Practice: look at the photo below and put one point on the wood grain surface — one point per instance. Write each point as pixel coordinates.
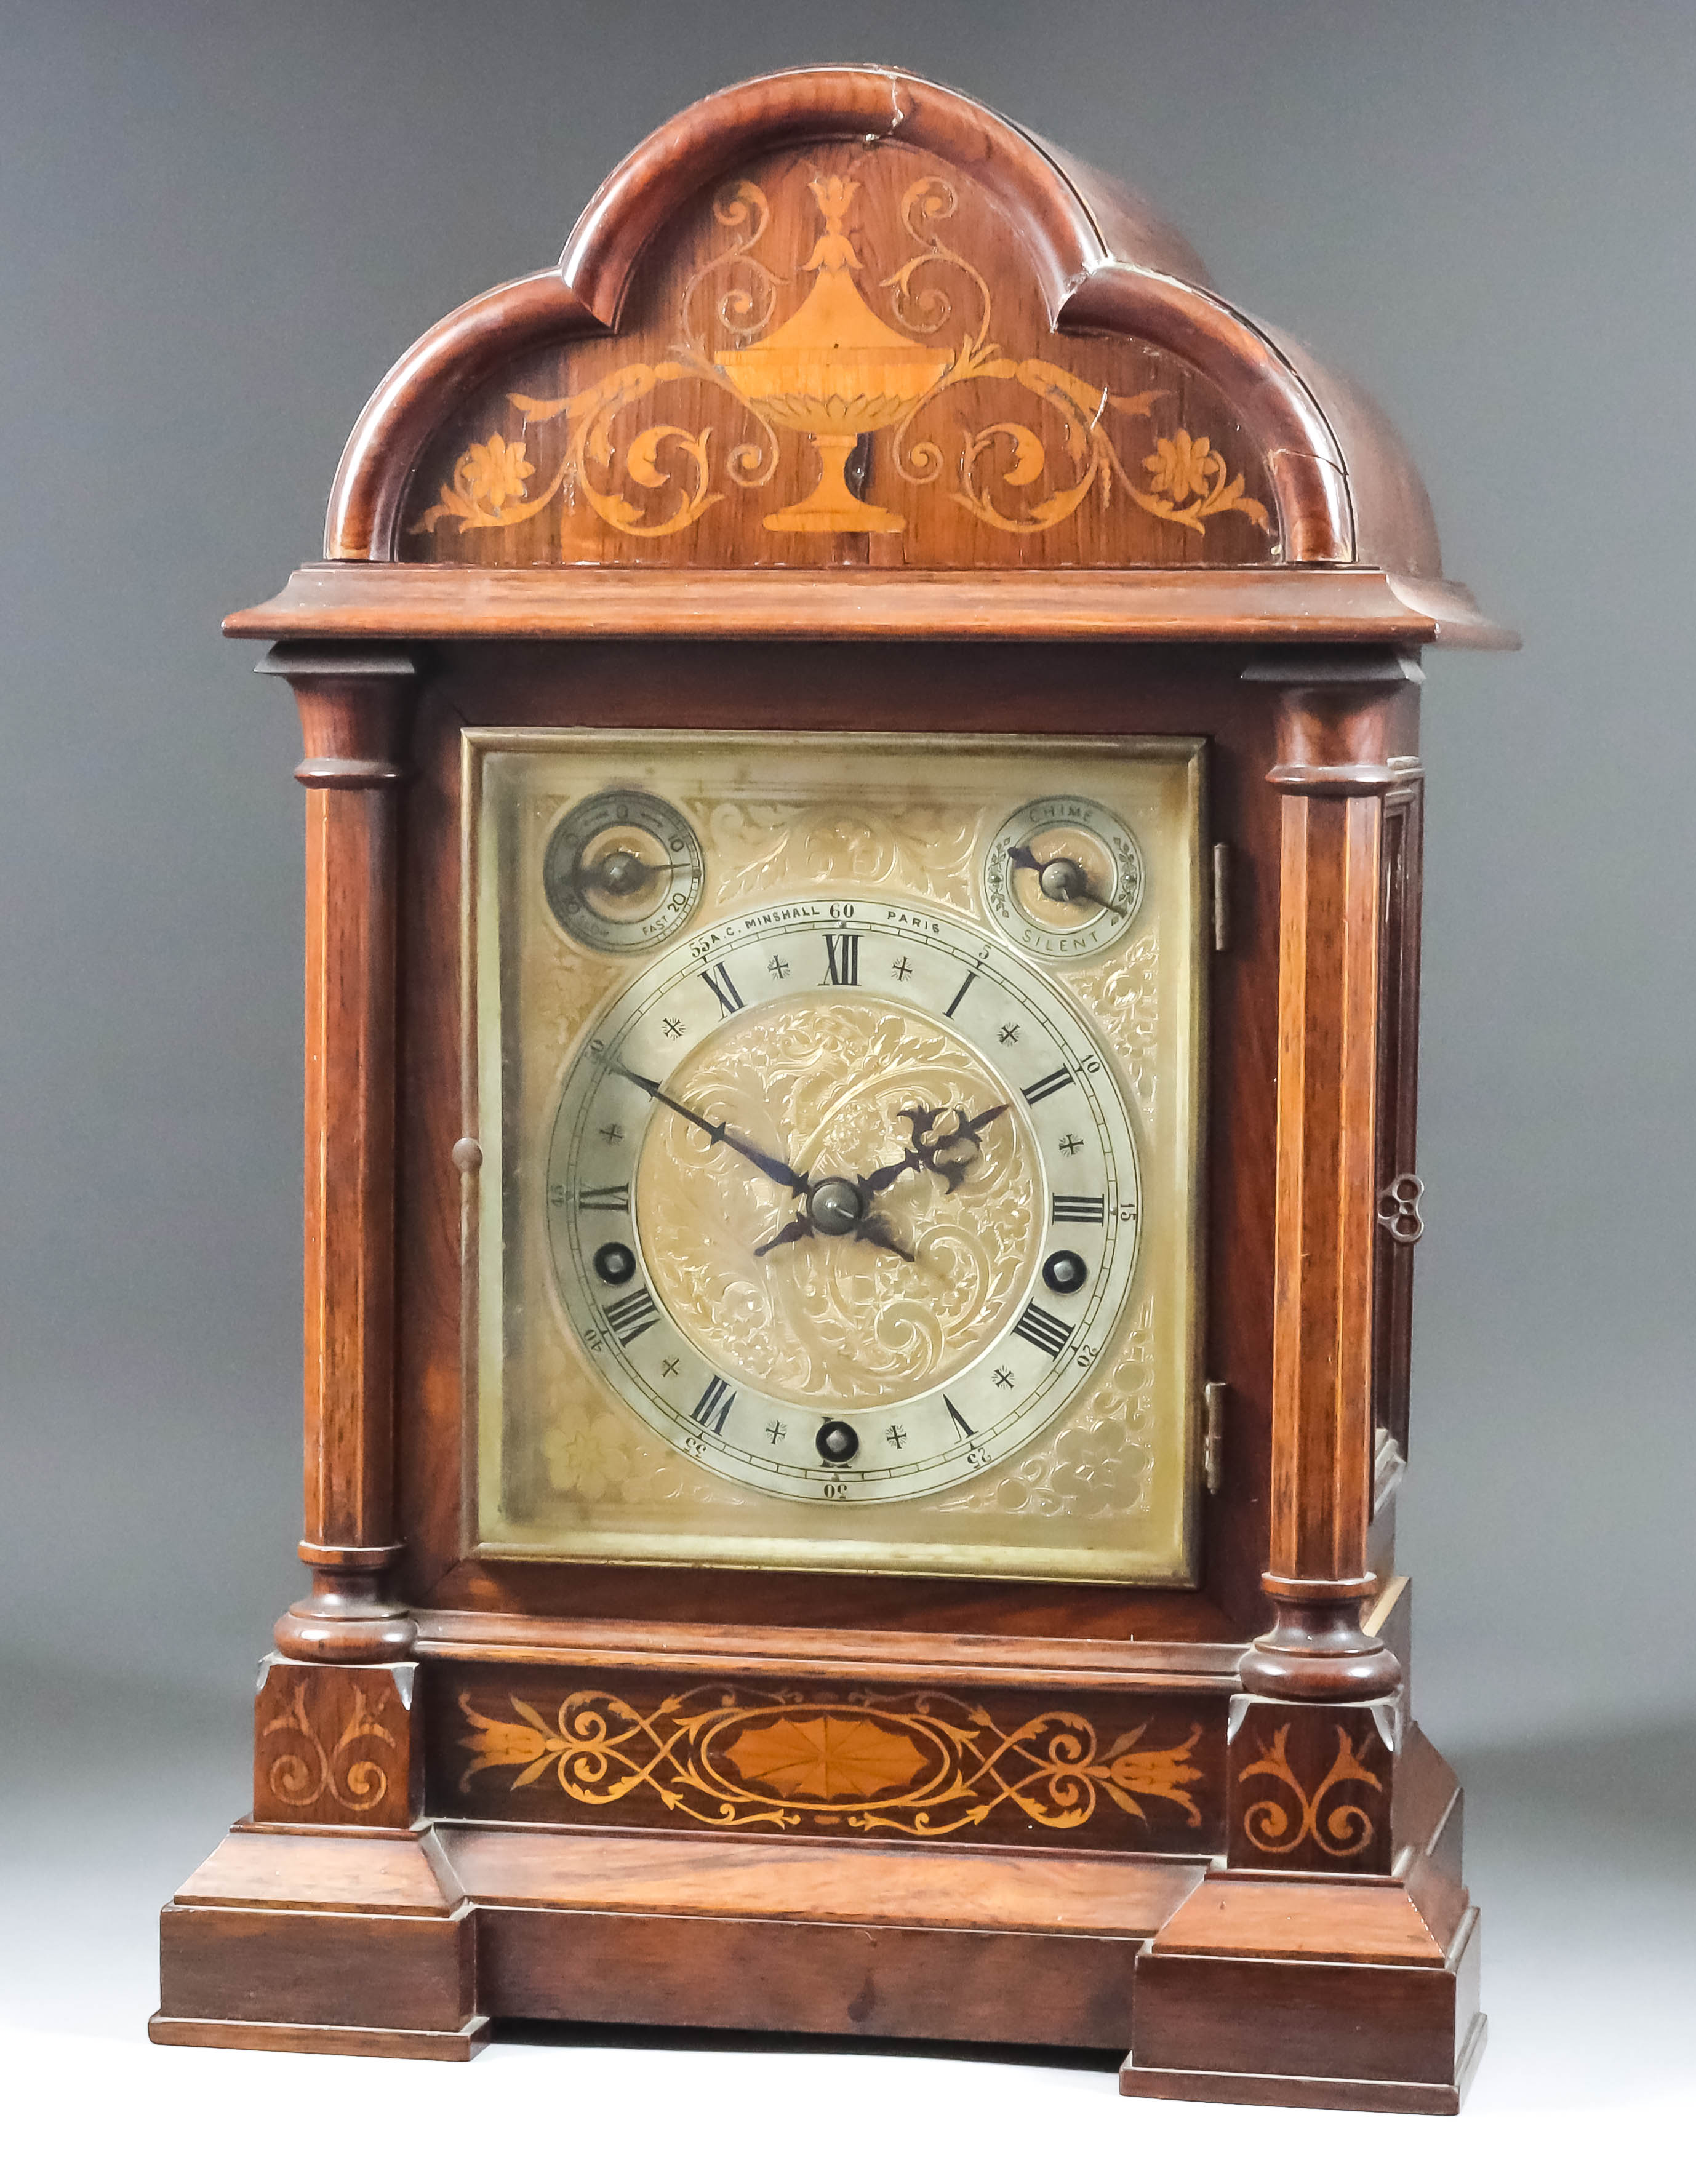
(1066, 254)
(852, 402)
(852, 1883)
(357, 599)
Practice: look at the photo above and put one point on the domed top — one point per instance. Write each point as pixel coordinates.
(847, 320)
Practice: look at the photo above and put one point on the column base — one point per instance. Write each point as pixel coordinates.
(353, 1943)
(1322, 1989)
(1352, 1986)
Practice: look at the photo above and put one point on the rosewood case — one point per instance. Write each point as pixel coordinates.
(844, 409)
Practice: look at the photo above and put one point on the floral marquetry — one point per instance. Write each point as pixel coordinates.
(921, 1764)
(1310, 1787)
(830, 1756)
(776, 393)
(335, 1746)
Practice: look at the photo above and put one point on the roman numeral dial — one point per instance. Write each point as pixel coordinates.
(722, 986)
(605, 1198)
(1049, 1334)
(715, 1405)
(1045, 1088)
(633, 1316)
(841, 1170)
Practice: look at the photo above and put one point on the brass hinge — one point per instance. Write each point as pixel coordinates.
(1221, 897)
(1212, 1433)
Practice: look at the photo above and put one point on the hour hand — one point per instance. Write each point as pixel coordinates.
(790, 1233)
(874, 1229)
(867, 1228)
(717, 1133)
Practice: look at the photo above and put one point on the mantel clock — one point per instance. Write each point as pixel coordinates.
(863, 817)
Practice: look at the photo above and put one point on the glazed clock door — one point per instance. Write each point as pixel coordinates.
(839, 1109)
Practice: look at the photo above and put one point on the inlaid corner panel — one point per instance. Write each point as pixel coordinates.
(1101, 1771)
(841, 357)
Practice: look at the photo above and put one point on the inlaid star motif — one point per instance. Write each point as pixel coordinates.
(830, 1756)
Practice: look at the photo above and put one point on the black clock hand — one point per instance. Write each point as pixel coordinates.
(838, 1208)
(845, 1208)
(874, 1229)
(790, 1233)
(918, 1158)
(869, 1229)
(1072, 882)
(620, 871)
(717, 1133)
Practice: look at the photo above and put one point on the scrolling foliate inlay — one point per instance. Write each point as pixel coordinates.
(1336, 1824)
(923, 1764)
(354, 1781)
(837, 372)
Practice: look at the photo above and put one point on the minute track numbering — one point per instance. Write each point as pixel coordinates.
(1044, 1078)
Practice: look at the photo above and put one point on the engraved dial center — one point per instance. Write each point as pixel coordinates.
(844, 1201)
(917, 1245)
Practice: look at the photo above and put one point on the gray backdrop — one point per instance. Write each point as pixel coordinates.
(220, 225)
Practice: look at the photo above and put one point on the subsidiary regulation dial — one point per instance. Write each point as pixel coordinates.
(622, 871)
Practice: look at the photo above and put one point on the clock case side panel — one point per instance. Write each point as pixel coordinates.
(1400, 1221)
(1082, 690)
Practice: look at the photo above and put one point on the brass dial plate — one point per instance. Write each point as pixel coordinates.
(837, 1227)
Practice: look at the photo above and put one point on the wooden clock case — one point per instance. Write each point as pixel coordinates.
(1206, 1829)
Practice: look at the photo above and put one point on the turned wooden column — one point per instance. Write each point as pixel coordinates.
(1337, 718)
(355, 710)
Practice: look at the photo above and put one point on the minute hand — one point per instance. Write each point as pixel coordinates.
(717, 1133)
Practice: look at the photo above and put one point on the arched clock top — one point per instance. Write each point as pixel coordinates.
(846, 318)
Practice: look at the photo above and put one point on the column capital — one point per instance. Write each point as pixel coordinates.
(317, 662)
(1337, 713)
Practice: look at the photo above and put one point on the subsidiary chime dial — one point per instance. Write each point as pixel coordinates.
(1064, 879)
(843, 1197)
